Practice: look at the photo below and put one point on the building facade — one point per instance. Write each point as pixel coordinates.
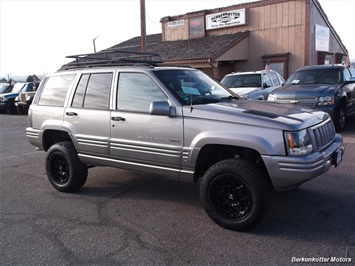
(286, 33)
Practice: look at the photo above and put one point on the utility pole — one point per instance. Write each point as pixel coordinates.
(94, 43)
(143, 30)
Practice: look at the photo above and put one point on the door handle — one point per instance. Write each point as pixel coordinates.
(71, 114)
(118, 118)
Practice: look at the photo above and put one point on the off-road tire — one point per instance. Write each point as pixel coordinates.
(22, 110)
(340, 118)
(11, 109)
(236, 194)
(64, 170)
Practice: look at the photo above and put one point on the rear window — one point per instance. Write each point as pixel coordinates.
(55, 90)
(239, 81)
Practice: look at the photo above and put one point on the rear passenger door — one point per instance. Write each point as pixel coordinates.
(88, 114)
(139, 138)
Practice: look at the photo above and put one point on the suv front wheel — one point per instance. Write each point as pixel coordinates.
(235, 194)
(340, 118)
(64, 169)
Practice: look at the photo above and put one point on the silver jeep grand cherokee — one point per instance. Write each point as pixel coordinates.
(102, 110)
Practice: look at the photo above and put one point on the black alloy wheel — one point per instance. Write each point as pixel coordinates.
(230, 197)
(64, 169)
(235, 194)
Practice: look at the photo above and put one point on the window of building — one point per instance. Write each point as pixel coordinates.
(55, 90)
(278, 63)
(136, 91)
(197, 27)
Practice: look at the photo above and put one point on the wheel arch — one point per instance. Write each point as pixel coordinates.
(212, 153)
(52, 136)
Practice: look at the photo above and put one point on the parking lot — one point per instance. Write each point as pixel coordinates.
(127, 218)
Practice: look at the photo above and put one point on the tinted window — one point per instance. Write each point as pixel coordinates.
(78, 100)
(98, 91)
(97, 87)
(136, 91)
(55, 90)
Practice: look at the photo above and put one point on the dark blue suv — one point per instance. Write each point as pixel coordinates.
(330, 88)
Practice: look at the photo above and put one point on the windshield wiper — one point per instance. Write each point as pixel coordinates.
(231, 97)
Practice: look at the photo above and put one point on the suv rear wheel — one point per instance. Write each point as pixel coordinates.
(235, 194)
(64, 169)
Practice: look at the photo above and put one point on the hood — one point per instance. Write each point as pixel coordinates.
(262, 113)
(305, 90)
(10, 95)
(244, 90)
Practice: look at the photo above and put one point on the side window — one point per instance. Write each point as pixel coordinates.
(55, 90)
(78, 100)
(93, 91)
(136, 91)
(346, 74)
(274, 79)
(266, 81)
(352, 71)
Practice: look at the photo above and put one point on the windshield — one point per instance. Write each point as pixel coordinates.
(192, 86)
(3, 88)
(239, 81)
(316, 76)
(18, 87)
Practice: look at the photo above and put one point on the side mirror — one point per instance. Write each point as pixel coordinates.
(161, 108)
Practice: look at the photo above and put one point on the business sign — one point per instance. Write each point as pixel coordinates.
(322, 38)
(176, 23)
(226, 19)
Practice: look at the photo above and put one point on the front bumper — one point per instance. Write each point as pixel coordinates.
(288, 172)
(3, 105)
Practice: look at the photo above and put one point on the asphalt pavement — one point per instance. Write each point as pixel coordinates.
(127, 218)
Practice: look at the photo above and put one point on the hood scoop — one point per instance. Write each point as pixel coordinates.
(261, 113)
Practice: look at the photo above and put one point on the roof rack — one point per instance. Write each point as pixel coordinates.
(112, 58)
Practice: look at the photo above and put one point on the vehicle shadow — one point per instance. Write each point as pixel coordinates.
(313, 215)
(308, 213)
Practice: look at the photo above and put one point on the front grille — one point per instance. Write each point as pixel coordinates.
(308, 102)
(324, 134)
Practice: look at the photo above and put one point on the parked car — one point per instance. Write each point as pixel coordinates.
(177, 122)
(24, 100)
(5, 88)
(330, 88)
(7, 100)
(253, 84)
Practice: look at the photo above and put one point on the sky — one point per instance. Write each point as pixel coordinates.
(35, 36)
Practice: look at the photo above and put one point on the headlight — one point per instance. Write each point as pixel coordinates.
(17, 99)
(326, 100)
(298, 143)
(2, 99)
(271, 98)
